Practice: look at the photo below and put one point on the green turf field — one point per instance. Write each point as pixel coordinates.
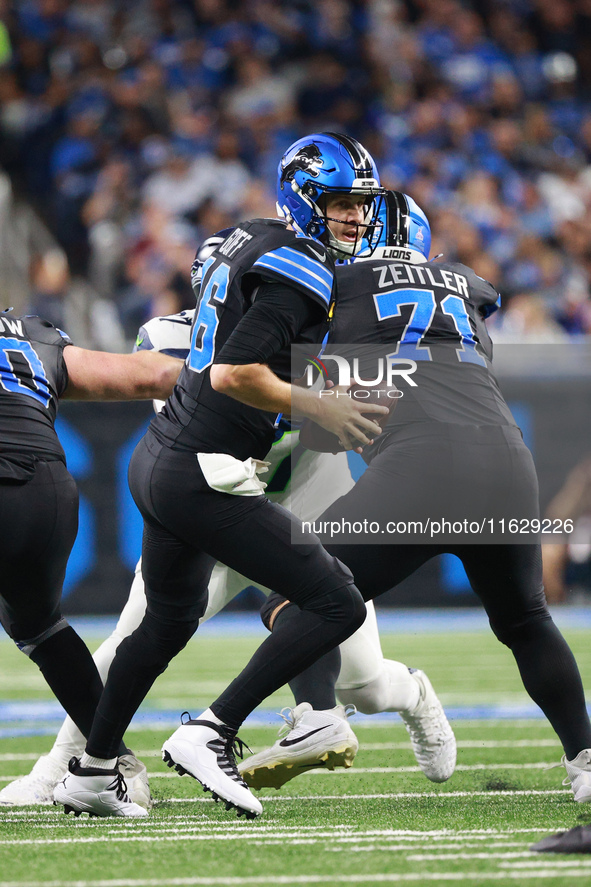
(381, 822)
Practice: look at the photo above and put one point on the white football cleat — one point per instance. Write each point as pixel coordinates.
(432, 739)
(136, 779)
(311, 739)
(36, 787)
(95, 791)
(579, 775)
(206, 751)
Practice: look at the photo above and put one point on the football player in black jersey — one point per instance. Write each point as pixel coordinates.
(194, 475)
(39, 498)
(451, 449)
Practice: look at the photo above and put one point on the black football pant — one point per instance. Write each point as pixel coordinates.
(470, 471)
(38, 526)
(508, 581)
(187, 528)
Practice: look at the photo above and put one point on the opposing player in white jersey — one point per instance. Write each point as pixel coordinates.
(305, 482)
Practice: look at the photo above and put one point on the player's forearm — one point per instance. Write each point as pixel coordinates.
(257, 386)
(101, 376)
(154, 376)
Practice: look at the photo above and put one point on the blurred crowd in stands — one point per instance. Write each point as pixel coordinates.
(137, 127)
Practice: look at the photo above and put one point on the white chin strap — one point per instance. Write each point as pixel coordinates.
(342, 248)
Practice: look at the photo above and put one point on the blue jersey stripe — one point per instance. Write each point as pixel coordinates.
(295, 271)
(294, 256)
(303, 278)
(324, 279)
(313, 265)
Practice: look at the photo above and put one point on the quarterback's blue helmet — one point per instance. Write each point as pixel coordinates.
(405, 233)
(318, 164)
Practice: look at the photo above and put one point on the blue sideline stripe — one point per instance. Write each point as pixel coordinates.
(390, 621)
(42, 718)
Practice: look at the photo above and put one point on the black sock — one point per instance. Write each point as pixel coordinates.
(316, 684)
(66, 664)
(551, 677)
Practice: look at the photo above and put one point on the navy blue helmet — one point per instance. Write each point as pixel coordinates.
(204, 251)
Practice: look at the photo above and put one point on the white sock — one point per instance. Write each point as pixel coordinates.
(101, 763)
(409, 689)
(394, 689)
(208, 715)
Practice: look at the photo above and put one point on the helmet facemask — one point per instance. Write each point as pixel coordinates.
(319, 165)
(318, 227)
(367, 230)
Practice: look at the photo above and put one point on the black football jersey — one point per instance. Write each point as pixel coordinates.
(429, 321)
(33, 375)
(198, 419)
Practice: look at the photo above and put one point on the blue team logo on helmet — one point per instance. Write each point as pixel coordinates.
(405, 233)
(308, 159)
(320, 164)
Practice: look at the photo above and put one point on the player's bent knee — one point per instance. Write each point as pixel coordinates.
(271, 607)
(343, 607)
(29, 645)
(163, 640)
(344, 604)
(511, 632)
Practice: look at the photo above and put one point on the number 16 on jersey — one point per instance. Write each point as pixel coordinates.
(214, 289)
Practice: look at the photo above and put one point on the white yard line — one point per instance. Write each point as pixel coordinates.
(341, 771)
(547, 871)
(24, 756)
(272, 834)
(461, 743)
(339, 833)
(365, 746)
(166, 835)
(275, 838)
(556, 863)
(258, 827)
(442, 857)
(541, 765)
(394, 796)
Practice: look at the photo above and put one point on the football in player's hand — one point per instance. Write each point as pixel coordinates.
(315, 437)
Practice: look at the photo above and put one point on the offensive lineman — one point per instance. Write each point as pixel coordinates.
(194, 474)
(39, 498)
(450, 448)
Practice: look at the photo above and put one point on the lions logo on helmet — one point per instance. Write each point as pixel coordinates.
(317, 165)
(308, 159)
